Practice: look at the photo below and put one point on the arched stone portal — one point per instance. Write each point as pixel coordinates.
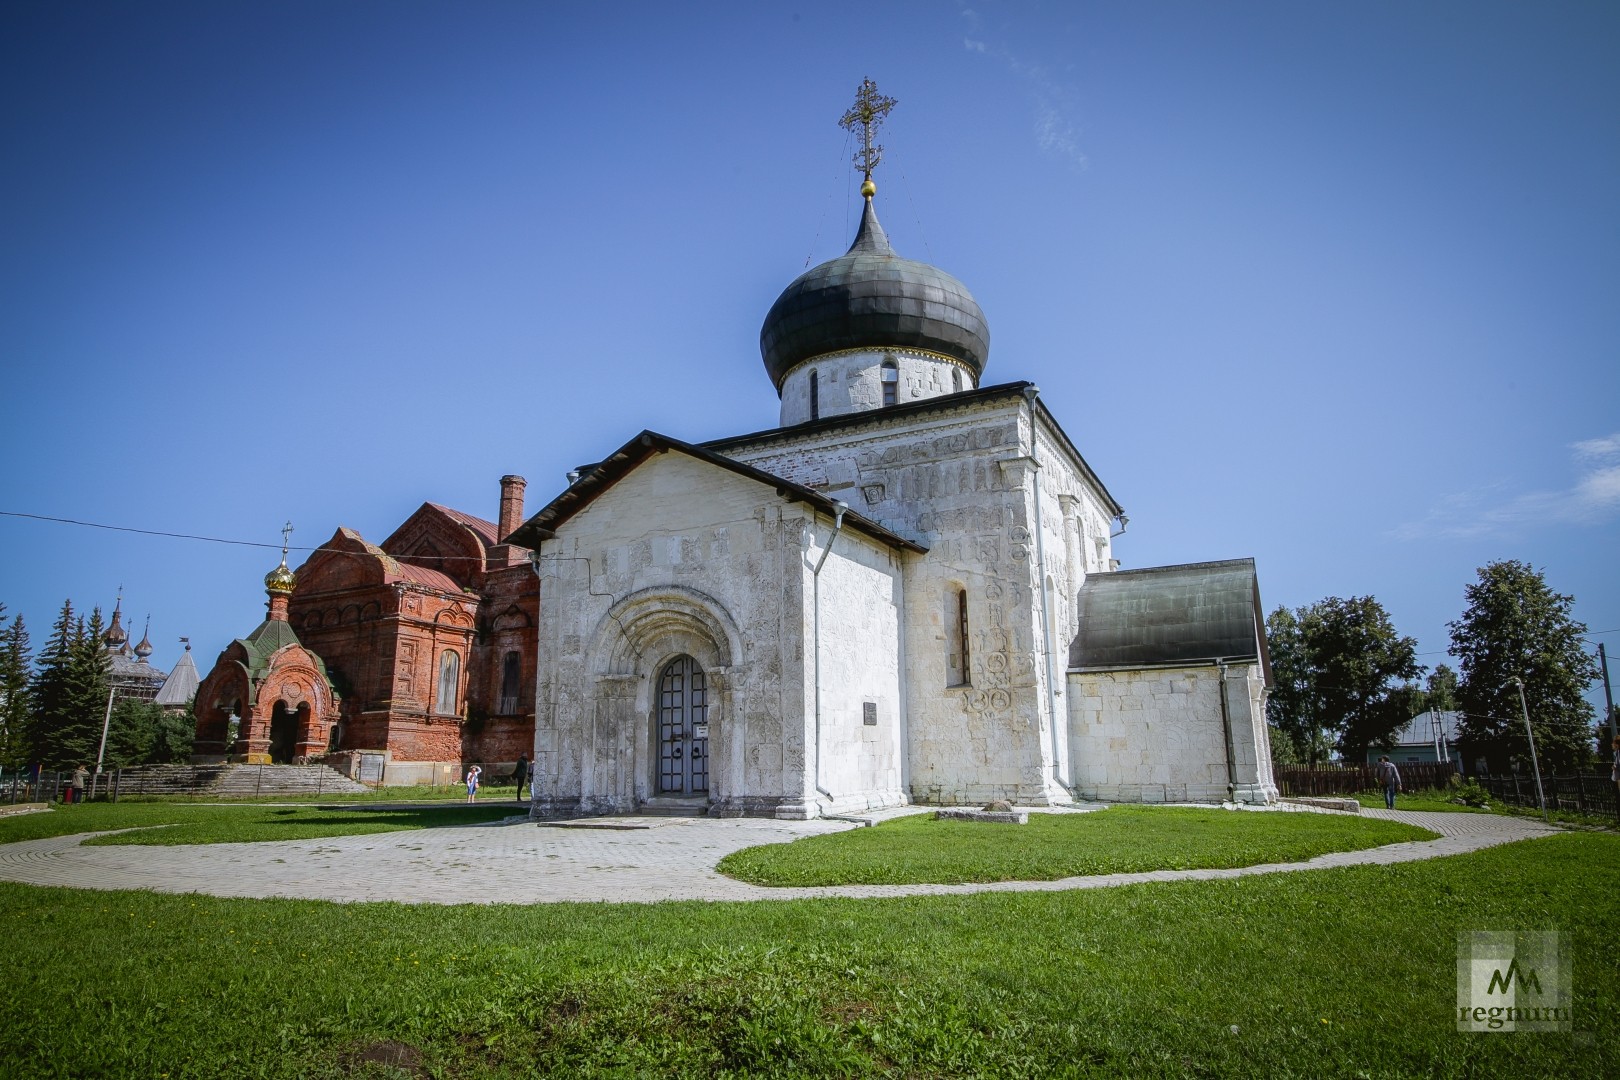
(657, 708)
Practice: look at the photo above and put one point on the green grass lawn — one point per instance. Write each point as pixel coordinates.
(1332, 973)
(1426, 801)
(191, 823)
(1429, 801)
(1121, 839)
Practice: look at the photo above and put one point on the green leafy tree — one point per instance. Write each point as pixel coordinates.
(16, 705)
(1295, 735)
(1340, 670)
(1440, 693)
(1516, 627)
(70, 692)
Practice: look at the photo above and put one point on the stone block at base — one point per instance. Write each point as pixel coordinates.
(1000, 817)
(1348, 805)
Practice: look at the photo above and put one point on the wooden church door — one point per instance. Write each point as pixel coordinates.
(683, 729)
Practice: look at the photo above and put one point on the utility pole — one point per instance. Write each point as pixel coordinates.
(1608, 695)
(1534, 765)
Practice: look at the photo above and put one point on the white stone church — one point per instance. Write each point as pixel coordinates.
(905, 592)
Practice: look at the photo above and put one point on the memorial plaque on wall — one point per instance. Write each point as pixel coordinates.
(869, 713)
(371, 768)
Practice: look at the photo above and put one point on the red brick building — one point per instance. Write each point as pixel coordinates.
(426, 644)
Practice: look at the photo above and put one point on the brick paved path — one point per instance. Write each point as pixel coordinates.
(520, 863)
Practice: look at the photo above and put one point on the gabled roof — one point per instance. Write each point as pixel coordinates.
(485, 529)
(625, 460)
(1170, 615)
(346, 543)
(1419, 731)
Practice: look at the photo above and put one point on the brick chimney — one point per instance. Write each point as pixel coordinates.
(511, 505)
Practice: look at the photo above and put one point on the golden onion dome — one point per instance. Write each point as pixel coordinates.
(280, 579)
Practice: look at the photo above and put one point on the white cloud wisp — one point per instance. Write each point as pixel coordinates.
(1594, 497)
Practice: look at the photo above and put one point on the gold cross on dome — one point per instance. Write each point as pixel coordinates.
(286, 531)
(869, 111)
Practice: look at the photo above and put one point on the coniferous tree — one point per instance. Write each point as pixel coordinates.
(145, 733)
(16, 708)
(174, 737)
(70, 691)
(92, 695)
(49, 691)
(1515, 627)
(131, 733)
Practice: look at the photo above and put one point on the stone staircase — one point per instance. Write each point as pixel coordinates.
(235, 781)
(674, 806)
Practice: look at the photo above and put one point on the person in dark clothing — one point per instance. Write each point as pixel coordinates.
(1390, 778)
(521, 775)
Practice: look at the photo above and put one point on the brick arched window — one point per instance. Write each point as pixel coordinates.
(449, 682)
(891, 382)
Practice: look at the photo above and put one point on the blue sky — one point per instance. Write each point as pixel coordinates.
(1335, 287)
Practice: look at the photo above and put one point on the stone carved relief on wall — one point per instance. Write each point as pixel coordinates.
(997, 668)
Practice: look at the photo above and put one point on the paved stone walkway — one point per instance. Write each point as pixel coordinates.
(518, 862)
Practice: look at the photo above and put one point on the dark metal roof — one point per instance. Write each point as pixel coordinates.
(623, 461)
(1169, 615)
(871, 298)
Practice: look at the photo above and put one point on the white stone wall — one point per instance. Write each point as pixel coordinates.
(961, 482)
(1156, 735)
(852, 382)
(683, 557)
(859, 594)
(1251, 738)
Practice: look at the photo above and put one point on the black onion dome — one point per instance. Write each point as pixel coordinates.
(871, 298)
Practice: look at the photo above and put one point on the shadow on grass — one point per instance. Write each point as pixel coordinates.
(270, 823)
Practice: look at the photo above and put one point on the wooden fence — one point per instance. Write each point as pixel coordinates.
(1581, 793)
(1300, 780)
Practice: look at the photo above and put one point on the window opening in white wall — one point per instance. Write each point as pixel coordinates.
(956, 638)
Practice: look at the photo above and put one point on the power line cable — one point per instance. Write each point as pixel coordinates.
(236, 543)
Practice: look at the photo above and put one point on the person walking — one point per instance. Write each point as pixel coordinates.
(472, 782)
(1390, 777)
(521, 775)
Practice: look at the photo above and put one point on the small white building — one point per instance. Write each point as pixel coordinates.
(904, 592)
